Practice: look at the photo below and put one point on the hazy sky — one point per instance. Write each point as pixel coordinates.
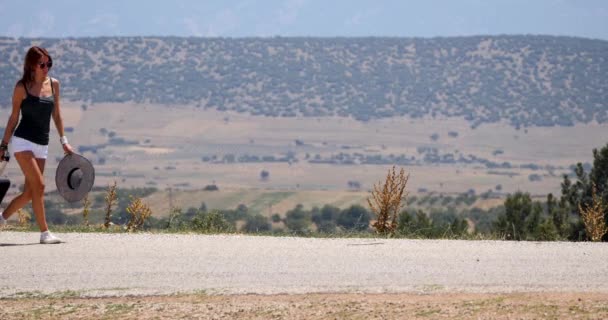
(244, 18)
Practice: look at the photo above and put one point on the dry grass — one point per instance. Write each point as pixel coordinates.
(86, 209)
(593, 217)
(139, 212)
(260, 135)
(387, 200)
(24, 217)
(110, 202)
(313, 306)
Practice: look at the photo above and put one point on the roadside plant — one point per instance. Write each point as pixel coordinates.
(139, 212)
(110, 201)
(175, 217)
(387, 200)
(24, 217)
(211, 222)
(86, 210)
(593, 217)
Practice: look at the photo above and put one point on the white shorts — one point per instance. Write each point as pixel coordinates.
(20, 144)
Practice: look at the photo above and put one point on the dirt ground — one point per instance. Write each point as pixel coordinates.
(314, 306)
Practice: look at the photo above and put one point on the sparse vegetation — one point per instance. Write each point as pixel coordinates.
(579, 214)
(419, 79)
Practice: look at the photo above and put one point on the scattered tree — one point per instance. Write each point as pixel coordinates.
(264, 175)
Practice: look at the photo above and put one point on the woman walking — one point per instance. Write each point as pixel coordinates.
(36, 98)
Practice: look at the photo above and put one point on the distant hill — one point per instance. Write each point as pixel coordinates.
(525, 80)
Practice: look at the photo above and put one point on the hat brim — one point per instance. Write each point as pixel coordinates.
(69, 165)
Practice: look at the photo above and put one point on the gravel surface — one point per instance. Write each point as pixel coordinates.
(95, 264)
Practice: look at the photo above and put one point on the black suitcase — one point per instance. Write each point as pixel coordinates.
(4, 185)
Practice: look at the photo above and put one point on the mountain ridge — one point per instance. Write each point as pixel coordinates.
(527, 80)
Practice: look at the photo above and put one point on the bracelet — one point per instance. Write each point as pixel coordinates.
(63, 140)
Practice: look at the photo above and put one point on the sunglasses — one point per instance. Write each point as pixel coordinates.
(42, 65)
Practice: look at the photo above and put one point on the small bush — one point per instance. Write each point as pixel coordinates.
(354, 218)
(298, 220)
(139, 212)
(257, 223)
(264, 175)
(211, 222)
(211, 187)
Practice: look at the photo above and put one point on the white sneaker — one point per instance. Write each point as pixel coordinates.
(2, 220)
(48, 238)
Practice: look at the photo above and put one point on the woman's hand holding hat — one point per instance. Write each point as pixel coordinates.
(67, 149)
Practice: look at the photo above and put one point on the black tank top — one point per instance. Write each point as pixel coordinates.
(36, 117)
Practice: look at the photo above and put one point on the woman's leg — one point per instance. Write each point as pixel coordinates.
(22, 199)
(18, 202)
(33, 170)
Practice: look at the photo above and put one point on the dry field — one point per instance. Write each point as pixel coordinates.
(173, 140)
(315, 306)
(268, 202)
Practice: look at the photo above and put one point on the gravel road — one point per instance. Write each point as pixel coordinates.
(95, 264)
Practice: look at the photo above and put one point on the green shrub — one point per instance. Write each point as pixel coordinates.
(257, 223)
(298, 220)
(211, 222)
(354, 218)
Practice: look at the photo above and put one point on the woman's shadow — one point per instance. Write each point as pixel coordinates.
(17, 244)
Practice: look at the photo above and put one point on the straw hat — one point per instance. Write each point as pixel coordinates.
(74, 177)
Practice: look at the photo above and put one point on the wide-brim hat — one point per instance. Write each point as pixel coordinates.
(74, 177)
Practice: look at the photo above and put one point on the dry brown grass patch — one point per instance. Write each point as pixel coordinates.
(387, 200)
(24, 217)
(139, 212)
(86, 209)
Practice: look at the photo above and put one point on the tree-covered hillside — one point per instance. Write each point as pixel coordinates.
(525, 80)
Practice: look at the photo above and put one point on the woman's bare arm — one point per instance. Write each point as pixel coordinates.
(18, 96)
(57, 115)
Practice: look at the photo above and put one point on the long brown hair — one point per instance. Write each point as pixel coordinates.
(32, 57)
